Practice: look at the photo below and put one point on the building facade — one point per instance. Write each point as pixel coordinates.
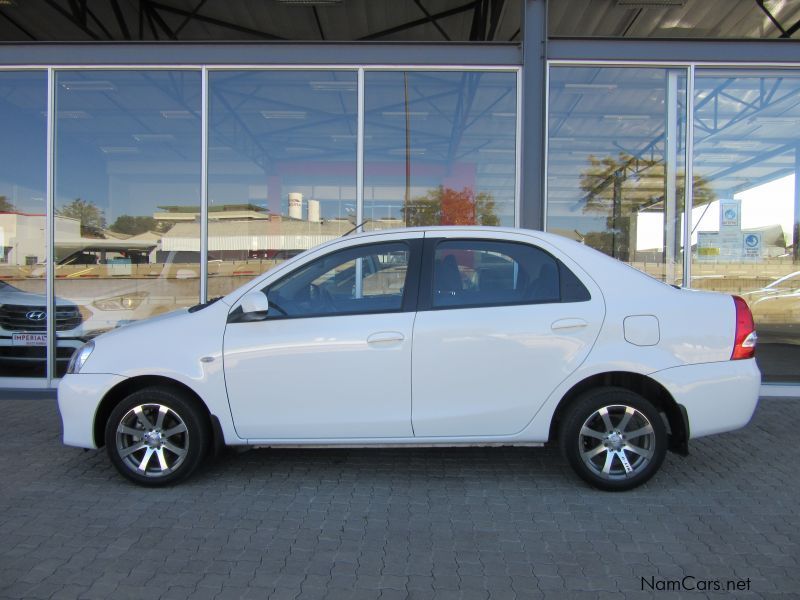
(156, 154)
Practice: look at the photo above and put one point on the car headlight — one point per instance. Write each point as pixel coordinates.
(79, 358)
(123, 302)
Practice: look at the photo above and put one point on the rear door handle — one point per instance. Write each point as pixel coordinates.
(385, 337)
(568, 324)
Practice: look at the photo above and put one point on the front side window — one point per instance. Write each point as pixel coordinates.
(492, 273)
(365, 279)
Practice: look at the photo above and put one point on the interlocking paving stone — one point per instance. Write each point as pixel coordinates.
(488, 523)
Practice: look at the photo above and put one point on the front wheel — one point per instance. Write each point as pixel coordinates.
(156, 437)
(613, 438)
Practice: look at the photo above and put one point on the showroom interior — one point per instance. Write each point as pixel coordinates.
(159, 153)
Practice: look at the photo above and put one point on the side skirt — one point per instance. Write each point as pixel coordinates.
(402, 445)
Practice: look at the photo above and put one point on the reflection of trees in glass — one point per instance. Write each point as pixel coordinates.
(134, 225)
(6, 206)
(90, 216)
(617, 186)
(446, 206)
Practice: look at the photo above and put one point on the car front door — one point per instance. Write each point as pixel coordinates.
(332, 356)
(500, 324)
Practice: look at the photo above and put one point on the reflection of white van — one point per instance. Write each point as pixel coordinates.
(117, 286)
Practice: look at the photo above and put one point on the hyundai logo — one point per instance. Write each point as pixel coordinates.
(35, 315)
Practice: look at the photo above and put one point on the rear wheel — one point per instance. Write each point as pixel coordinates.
(156, 437)
(613, 438)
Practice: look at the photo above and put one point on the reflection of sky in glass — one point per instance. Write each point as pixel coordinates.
(745, 133)
(23, 123)
(607, 114)
(272, 133)
(128, 141)
(747, 130)
(452, 129)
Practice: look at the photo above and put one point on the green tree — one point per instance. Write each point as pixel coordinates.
(133, 225)
(6, 206)
(90, 216)
(485, 209)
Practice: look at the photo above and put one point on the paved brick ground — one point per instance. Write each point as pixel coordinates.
(447, 523)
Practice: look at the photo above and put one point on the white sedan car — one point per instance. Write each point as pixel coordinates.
(438, 336)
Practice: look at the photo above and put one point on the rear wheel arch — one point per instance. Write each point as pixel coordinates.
(123, 389)
(657, 394)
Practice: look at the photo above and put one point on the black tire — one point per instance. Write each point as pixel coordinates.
(160, 428)
(609, 458)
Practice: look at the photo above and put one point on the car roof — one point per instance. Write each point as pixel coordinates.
(462, 229)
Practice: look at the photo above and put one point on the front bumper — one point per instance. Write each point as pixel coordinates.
(79, 397)
(718, 397)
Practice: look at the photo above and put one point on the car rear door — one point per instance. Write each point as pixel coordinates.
(500, 323)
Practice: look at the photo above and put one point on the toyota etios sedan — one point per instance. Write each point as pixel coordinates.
(432, 336)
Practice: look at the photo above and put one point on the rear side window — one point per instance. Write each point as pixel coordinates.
(492, 273)
(572, 290)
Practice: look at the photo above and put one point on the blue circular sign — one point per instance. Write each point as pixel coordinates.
(751, 241)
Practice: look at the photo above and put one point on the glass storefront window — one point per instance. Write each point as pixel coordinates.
(616, 161)
(745, 229)
(439, 148)
(127, 173)
(23, 173)
(282, 168)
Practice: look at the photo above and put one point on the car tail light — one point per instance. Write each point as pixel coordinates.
(745, 341)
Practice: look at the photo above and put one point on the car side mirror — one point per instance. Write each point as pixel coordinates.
(254, 302)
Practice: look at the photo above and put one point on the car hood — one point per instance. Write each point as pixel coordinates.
(156, 321)
(170, 345)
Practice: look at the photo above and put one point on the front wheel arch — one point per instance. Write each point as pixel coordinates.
(657, 394)
(123, 389)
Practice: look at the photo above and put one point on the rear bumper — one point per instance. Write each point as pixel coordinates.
(717, 397)
(79, 397)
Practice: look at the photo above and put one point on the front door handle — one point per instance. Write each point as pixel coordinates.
(568, 324)
(383, 337)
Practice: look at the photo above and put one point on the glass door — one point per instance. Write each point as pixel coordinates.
(616, 163)
(745, 214)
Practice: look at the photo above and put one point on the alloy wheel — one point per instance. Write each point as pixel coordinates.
(152, 440)
(617, 442)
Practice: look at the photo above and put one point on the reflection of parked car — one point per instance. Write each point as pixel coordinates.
(544, 340)
(776, 307)
(23, 330)
(115, 285)
(786, 285)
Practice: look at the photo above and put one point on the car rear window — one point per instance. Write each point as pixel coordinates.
(490, 273)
